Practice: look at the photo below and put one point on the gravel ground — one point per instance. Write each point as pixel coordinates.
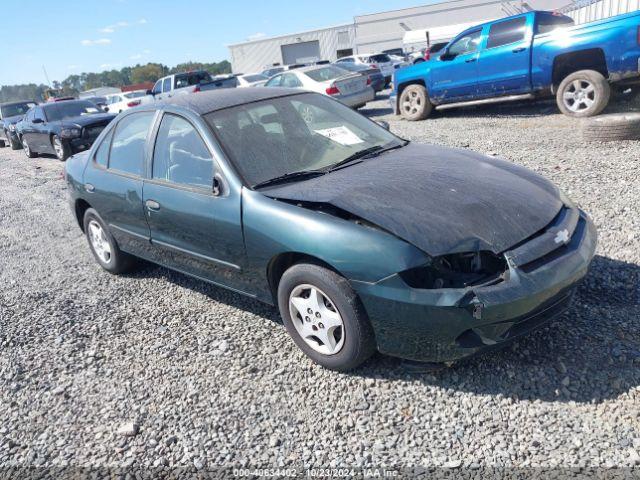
(157, 369)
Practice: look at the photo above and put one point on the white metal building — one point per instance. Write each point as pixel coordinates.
(323, 44)
(385, 30)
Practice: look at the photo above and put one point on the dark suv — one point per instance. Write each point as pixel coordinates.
(10, 114)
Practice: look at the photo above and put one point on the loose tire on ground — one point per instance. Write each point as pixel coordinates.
(583, 94)
(103, 246)
(414, 103)
(352, 343)
(617, 126)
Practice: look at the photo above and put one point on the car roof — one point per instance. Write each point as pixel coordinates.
(213, 100)
(19, 102)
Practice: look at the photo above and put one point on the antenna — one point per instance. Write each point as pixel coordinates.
(46, 75)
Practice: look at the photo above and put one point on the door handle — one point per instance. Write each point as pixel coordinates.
(518, 50)
(152, 205)
(470, 60)
(89, 188)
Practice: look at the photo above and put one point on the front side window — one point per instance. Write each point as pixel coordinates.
(166, 85)
(274, 82)
(102, 154)
(467, 44)
(39, 114)
(157, 88)
(275, 137)
(507, 32)
(180, 155)
(129, 141)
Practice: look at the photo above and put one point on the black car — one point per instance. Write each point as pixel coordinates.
(61, 128)
(10, 114)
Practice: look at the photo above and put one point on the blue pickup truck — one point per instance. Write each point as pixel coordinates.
(524, 57)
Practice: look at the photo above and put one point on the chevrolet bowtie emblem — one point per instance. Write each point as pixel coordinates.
(562, 236)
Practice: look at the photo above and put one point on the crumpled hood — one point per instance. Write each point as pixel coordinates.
(439, 199)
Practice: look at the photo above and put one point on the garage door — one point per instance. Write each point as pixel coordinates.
(301, 52)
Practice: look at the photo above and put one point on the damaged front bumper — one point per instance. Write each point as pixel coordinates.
(443, 325)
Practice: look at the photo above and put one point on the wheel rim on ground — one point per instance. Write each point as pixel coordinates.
(99, 241)
(412, 102)
(316, 319)
(579, 95)
(57, 146)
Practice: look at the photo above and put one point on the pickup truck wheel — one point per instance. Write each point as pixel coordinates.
(414, 103)
(103, 246)
(325, 317)
(583, 94)
(607, 128)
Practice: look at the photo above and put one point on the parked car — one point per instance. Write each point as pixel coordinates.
(381, 61)
(524, 57)
(61, 128)
(364, 240)
(352, 89)
(251, 80)
(100, 102)
(376, 79)
(189, 82)
(271, 71)
(10, 114)
(119, 102)
(429, 53)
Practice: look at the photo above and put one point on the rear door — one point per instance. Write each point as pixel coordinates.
(504, 66)
(113, 181)
(193, 228)
(454, 75)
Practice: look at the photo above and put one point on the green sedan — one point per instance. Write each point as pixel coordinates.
(363, 240)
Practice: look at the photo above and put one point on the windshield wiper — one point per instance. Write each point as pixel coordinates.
(362, 154)
(287, 177)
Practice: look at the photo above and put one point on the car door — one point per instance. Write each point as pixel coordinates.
(27, 126)
(195, 227)
(504, 65)
(113, 181)
(40, 133)
(454, 76)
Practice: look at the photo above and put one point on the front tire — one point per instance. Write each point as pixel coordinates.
(583, 94)
(414, 103)
(27, 150)
(103, 246)
(325, 317)
(62, 149)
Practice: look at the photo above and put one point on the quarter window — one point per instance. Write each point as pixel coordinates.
(180, 155)
(102, 155)
(129, 140)
(289, 80)
(507, 32)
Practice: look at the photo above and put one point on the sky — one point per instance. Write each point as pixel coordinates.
(75, 36)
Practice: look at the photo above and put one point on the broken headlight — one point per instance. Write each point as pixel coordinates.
(458, 270)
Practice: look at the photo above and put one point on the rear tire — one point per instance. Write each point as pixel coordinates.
(348, 336)
(103, 246)
(27, 150)
(607, 128)
(414, 103)
(583, 94)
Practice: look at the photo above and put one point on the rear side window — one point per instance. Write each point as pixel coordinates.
(181, 155)
(129, 140)
(289, 80)
(102, 155)
(507, 32)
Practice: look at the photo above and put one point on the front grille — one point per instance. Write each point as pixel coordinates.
(93, 131)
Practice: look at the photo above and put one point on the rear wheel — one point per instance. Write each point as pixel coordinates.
(15, 145)
(27, 150)
(583, 94)
(103, 246)
(325, 317)
(414, 103)
(62, 149)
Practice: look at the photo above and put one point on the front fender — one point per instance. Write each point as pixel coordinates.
(366, 254)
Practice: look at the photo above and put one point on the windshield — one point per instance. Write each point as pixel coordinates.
(16, 109)
(279, 136)
(325, 74)
(62, 110)
(189, 79)
(255, 78)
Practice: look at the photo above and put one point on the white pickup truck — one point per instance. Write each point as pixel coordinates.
(189, 82)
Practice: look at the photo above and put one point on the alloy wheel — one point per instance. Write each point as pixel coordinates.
(579, 95)
(316, 319)
(99, 241)
(25, 147)
(412, 103)
(57, 146)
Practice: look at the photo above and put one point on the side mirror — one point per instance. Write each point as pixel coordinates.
(217, 185)
(37, 120)
(105, 108)
(383, 124)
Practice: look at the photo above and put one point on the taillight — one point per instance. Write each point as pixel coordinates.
(374, 65)
(333, 90)
(427, 55)
(197, 89)
(135, 103)
(368, 80)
